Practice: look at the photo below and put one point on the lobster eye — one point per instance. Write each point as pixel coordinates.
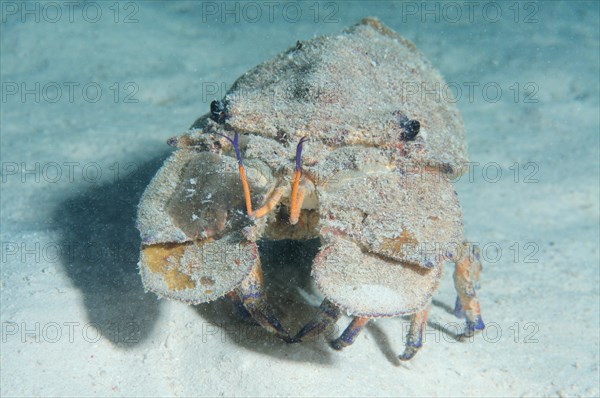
(217, 111)
(411, 129)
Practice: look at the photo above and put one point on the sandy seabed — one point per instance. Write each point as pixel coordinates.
(92, 91)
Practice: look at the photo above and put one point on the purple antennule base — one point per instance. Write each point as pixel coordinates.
(236, 147)
(299, 154)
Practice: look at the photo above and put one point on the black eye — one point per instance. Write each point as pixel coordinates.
(217, 111)
(411, 129)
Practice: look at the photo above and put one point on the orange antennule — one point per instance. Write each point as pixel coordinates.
(297, 198)
(245, 185)
(271, 203)
(246, 190)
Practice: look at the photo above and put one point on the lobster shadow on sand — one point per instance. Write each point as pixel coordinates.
(97, 226)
